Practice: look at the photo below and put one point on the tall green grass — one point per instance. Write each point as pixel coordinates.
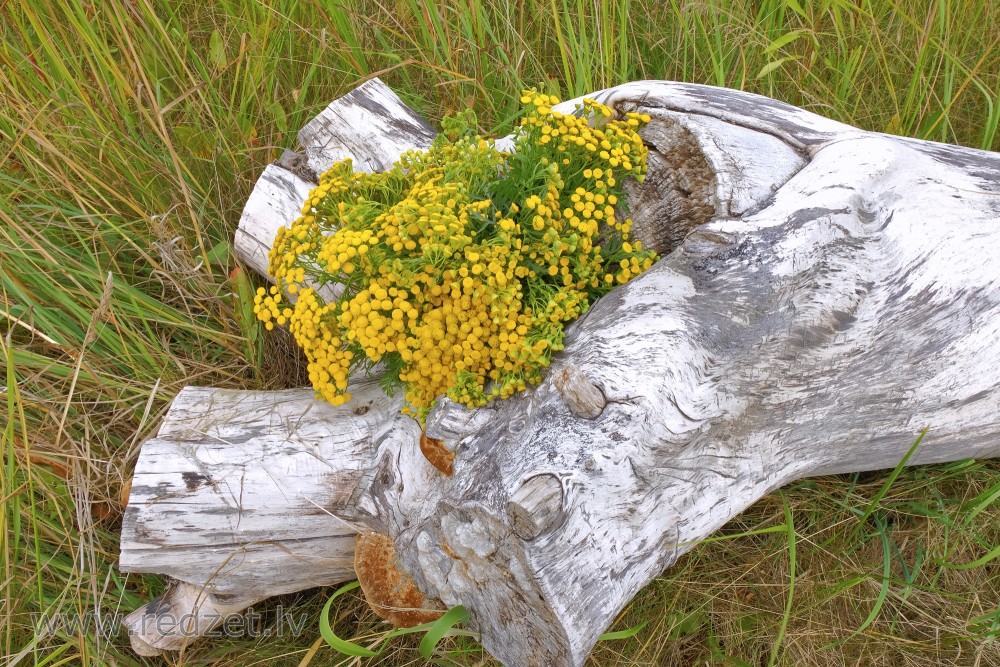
(131, 132)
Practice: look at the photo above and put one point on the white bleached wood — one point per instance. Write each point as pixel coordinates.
(370, 124)
(213, 492)
(181, 615)
(821, 309)
(276, 200)
(235, 499)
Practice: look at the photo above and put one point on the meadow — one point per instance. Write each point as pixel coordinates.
(131, 133)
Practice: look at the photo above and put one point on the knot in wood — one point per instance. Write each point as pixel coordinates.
(536, 507)
(580, 395)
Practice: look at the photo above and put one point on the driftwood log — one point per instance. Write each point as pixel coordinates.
(824, 295)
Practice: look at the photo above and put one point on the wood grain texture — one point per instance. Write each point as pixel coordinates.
(818, 332)
(830, 293)
(235, 491)
(275, 202)
(370, 125)
(181, 615)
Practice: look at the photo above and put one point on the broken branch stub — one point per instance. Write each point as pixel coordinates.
(828, 294)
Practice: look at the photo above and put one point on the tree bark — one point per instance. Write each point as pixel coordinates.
(825, 294)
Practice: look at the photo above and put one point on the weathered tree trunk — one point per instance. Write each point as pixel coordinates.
(826, 294)
(235, 495)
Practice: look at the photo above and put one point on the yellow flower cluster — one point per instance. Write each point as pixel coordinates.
(459, 267)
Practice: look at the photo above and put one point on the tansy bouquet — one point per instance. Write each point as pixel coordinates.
(458, 269)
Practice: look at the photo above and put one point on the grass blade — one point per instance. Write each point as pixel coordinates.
(790, 530)
(440, 628)
(873, 505)
(335, 642)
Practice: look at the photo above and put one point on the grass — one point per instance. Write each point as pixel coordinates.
(131, 132)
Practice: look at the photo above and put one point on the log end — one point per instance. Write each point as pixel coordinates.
(181, 615)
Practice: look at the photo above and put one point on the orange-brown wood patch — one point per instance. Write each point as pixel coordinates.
(434, 451)
(391, 593)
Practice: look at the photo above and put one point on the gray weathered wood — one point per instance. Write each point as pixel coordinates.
(234, 499)
(830, 293)
(181, 615)
(246, 461)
